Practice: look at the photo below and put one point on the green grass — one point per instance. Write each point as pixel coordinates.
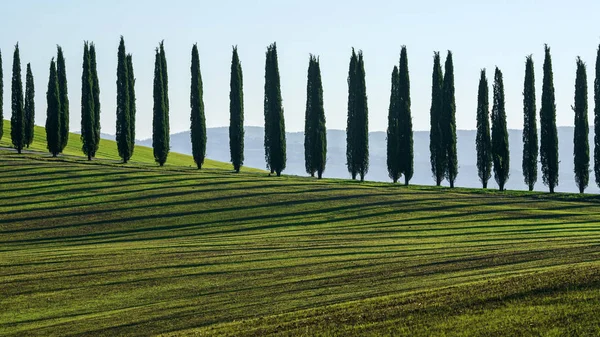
(108, 249)
(108, 150)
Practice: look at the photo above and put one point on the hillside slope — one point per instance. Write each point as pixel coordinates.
(104, 249)
(108, 150)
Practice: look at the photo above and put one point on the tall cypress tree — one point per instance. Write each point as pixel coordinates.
(274, 114)
(449, 121)
(597, 120)
(267, 109)
(549, 135)
(500, 150)
(581, 149)
(393, 130)
(96, 95)
(29, 123)
(315, 142)
(361, 146)
(308, 134)
(17, 132)
(159, 132)
(406, 138)
(165, 88)
(198, 122)
(64, 98)
(132, 105)
(123, 138)
(436, 143)
(319, 158)
(351, 124)
(53, 120)
(236, 112)
(530, 137)
(88, 136)
(483, 141)
(1, 98)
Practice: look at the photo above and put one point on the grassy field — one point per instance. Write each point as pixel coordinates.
(105, 249)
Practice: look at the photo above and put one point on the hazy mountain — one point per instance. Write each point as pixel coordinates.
(218, 149)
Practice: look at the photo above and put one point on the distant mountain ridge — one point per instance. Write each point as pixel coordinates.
(218, 149)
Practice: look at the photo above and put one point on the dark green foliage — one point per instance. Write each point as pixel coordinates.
(29, 122)
(165, 88)
(315, 133)
(482, 140)
(236, 112)
(53, 120)
(406, 138)
(1, 98)
(351, 124)
(64, 98)
(159, 128)
(275, 143)
(597, 120)
(88, 135)
(393, 130)
(96, 95)
(198, 122)
(123, 136)
(17, 132)
(581, 149)
(549, 135)
(500, 150)
(357, 133)
(530, 137)
(132, 105)
(449, 121)
(436, 143)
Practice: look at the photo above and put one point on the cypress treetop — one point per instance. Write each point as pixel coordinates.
(29, 107)
(159, 133)
(17, 119)
(361, 115)
(436, 142)
(449, 121)
(88, 136)
(530, 137)
(198, 122)
(123, 128)
(549, 134)
(351, 125)
(500, 148)
(406, 137)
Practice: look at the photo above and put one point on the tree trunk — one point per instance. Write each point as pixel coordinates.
(451, 183)
(89, 157)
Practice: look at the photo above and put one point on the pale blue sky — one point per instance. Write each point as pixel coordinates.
(481, 35)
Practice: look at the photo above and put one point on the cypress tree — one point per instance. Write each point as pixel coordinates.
(1, 98)
(500, 150)
(88, 136)
(319, 158)
(581, 149)
(315, 134)
(165, 88)
(159, 132)
(96, 95)
(449, 121)
(132, 104)
(277, 142)
(198, 122)
(361, 146)
(267, 109)
(29, 123)
(123, 128)
(393, 130)
(597, 120)
(483, 141)
(406, 138)
(308, 133)
(17, 118)
(64, 98)
(236, 112)
(53, 120)
(530, 137)
(549, 135)
(436, 143)
(351, 124)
